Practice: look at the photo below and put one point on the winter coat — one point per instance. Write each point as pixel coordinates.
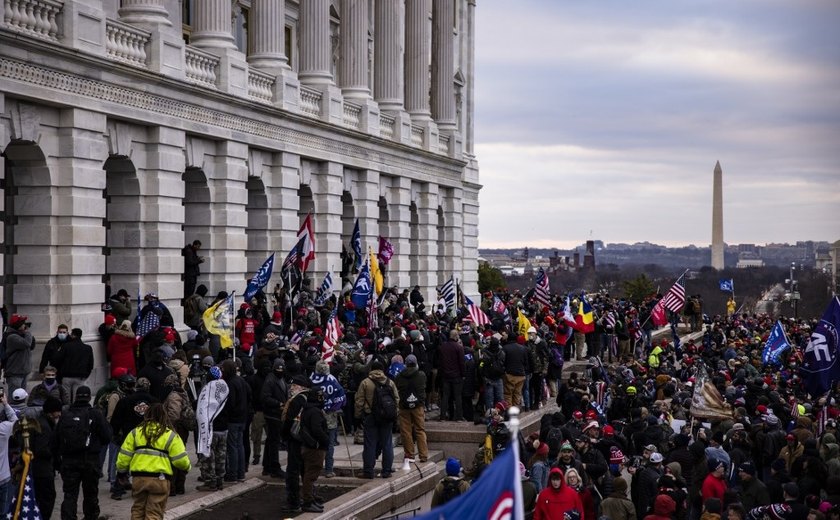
(273, 396)
(156, 374)
(121, 350)
(516, 359)
(713, 487)
(364, 395)
(552, 503)
(239, 400)
(314, 422)
(18, 353)
(75, 359)
(451, 360)
(121, 310)
(411, 379)
(618, 507)
(182, 369)
(48, 356)
(754, 493)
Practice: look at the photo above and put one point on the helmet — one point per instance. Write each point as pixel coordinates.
(127, 382)
(631, 390)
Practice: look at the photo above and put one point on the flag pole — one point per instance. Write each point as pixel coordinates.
(233, 324)
(513, 425)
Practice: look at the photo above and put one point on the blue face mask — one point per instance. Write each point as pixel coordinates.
(61, 336)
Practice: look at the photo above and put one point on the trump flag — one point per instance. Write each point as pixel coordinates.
(777, 343)
(820, 368)
(497, 494)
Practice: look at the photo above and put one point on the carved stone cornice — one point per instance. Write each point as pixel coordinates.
(409, 161)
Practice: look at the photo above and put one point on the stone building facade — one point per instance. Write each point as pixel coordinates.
(130, 128)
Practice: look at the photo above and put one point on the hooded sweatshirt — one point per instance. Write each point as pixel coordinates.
(364, 396)
(663, 508)
(552, 503)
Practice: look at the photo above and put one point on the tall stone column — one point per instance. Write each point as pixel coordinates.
(315, 43)
(469, 104)
(417, 44)
(417, 51)
(388, 42)
(399, 272)
(354, 74)
(717, 218)
(327, 187)
(453, 232)
(427, 233)
(166, 47)
(150, 12)
(212, 31)
(267, 36)
(469, 239)
(212, 25)
(443, 65)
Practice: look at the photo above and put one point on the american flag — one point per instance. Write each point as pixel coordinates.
(499, 306)
(609, 320)
(541, 290)
(476, 314)
(150, 322)
(27, 509)
(674, 299)
(331, 337)
(447, 292)
(794, 410)
(600, 392)
(293, 258)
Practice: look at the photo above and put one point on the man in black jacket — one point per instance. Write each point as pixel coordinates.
(238, 403)
(74, 363)
(516, 364)
(42, 468)
(156, 372)
(53, 346)
(81, 433)
(294, 469)
(411, 386)
(453, 369)
(315, 440)
(191, 267)
(274, 393)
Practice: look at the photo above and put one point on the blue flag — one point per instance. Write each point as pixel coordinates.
(820, 367)
(362, 288)
(260, 279)
(496, 494)
(777, 343)
(727, 285)
(356, 244)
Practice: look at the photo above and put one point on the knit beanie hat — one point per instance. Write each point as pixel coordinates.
(453, 467)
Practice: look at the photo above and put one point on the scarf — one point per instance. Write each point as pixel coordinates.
(210, 403)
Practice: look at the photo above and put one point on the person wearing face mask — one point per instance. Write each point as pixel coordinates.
(54, 345)
(49, 387)
(19, 343)
(273, 395)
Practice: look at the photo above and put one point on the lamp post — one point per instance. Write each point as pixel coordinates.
(793, 294)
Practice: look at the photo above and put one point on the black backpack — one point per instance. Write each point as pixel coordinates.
(554, 438)
(73, 431)
(384, 407)
(494, 366)
(451, 489)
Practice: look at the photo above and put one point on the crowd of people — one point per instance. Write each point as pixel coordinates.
(627, 438)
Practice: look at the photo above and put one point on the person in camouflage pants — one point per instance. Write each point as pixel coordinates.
(213, 467)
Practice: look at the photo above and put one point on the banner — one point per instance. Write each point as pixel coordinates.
(260, 279)
(820, 368)
(776, 344)
(218, 320)
(707, 403)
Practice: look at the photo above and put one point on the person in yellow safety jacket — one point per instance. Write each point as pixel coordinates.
(150, 452)
(653, 359)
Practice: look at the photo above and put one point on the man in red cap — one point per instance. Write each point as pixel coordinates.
(19, 345)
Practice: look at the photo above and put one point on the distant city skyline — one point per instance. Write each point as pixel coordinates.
(608, 119)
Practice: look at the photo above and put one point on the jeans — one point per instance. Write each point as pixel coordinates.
(235, 452)
(329, 459)
(494, 391)
(526, 392)
(5, 494)
(71, 384)
(378, 439)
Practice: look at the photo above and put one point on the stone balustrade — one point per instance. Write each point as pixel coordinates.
(443, 143)
(352, 115)
(200, 67)
(260, 86)
(126, 43)
(417, 135)
(387, 126)
(310, 101)
(33, 17)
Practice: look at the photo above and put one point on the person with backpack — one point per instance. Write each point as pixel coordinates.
(151, 452)
(493, 369)
(194, 307)
(81, 432)
(451, 486)
(181, 416)
(290, 431)
(376, 406)
(411, 387)
(315, 440)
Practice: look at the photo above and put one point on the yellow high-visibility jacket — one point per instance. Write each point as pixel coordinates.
(139, 457)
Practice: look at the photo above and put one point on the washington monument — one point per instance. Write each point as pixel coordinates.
(717, 218)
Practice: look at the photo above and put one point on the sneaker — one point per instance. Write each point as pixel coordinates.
(255, 461)
(312, 508)
(329, 474)
(386, 474)
(206, 487)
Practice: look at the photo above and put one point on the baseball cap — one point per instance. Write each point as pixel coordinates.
(19, 396)
(650, 447)
(656, 458)
(747, 467)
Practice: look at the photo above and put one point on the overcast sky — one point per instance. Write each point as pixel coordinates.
(607, 117)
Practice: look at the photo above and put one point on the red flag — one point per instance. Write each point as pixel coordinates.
(308, 250)
(657, 315)
(386, 250)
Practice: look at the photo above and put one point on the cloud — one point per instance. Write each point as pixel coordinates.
(610, 117)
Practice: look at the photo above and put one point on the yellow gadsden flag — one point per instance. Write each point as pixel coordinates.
(218, 320)
(375, 273)
(522, 324)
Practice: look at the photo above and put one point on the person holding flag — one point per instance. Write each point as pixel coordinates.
(218, 320)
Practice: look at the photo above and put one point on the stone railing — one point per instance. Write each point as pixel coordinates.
(260, 86)
(386, 126)
(443, 143)
(352, 115)
(33, 17)
(200, 67)
(126, 43)
(310, 101)
(417, 135)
